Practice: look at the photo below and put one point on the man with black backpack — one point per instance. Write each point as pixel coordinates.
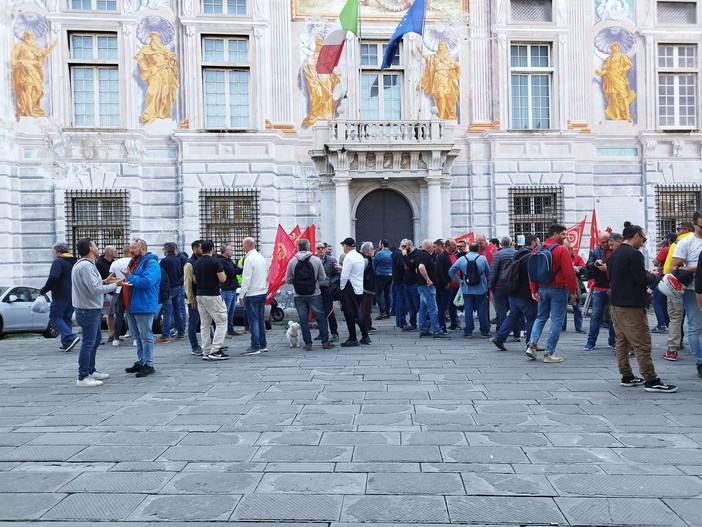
(552, 282)
(474, 273)
(499, 296)
(304, 272)
(514, 283)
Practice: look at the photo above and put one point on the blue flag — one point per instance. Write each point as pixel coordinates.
(412, 22)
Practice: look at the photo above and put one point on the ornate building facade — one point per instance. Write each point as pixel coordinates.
(184, 119)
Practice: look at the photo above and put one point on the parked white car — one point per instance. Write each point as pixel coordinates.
(16, 315)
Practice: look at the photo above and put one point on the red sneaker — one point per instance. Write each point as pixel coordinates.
(670, 355)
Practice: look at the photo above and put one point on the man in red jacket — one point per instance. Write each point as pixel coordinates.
(553, 297)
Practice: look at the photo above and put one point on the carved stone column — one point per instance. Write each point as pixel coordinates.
(343, 206)
(434, 218)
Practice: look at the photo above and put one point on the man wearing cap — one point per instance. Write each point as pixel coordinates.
(351, 284)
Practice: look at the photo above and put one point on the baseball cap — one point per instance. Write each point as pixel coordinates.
(349, 241)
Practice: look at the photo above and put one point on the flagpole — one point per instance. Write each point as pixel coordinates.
(423, 65)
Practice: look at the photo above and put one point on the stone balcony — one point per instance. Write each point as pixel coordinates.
(384, 149)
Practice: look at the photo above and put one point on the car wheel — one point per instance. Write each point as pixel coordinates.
(2, 335)
(50, 332)
(277, 315)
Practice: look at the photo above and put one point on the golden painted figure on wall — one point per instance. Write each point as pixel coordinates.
(440, 81)
(615, 84)
(27, 60)
(159, 70)
(320, 88)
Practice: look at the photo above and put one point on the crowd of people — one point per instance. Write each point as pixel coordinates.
(423, 288)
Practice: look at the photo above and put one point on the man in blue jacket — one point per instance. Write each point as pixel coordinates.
(474, 296)
(143, 281)
(382, 262)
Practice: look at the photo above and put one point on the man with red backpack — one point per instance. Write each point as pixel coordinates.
(553, 284)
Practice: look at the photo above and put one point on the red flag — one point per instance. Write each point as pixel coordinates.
(469, 237)
(283, 250)
(294, 234)
(574, 235)
(593, 231)
(309, 234)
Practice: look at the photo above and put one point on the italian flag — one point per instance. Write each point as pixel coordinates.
(334, 42)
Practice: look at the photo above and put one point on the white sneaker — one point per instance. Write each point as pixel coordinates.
(552, 358)
(100, 376)
(115, 343)
(88, 382)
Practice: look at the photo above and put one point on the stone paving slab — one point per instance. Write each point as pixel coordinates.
(313, 483)
(17, 481)
(619, 511)
(394, 509)
(95, 507)
(490, 509)
(215, 507)
(27, 506)
(119, 482)
(271, 507)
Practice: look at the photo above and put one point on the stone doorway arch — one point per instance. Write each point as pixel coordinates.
(383, 213)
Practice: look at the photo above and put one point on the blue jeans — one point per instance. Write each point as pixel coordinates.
(694, 324)
(140, 326)
(577, 318)
(89, 322)
(444, 298)
(171, 310)
(600, 300)
(660, 307)
(427, 305)
(477, 303)
(229, 298)
(193, 321)
(305, 304)
(501, 302)
(412, 303)
(553, 304)
(519, 309)
(60, 313)
(398, 303)
(255, 312)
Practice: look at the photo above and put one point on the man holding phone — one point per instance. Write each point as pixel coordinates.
(597, 270)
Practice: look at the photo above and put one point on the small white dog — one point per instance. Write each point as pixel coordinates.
(293, 334)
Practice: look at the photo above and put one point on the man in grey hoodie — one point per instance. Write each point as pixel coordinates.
(87, 290)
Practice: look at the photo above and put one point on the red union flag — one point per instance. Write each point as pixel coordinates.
(283, 250)
(574, 235)
(309, 235)
(294, 234)
(594, 234)
(469, 237)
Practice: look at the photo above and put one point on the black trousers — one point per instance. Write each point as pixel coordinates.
(349, 306)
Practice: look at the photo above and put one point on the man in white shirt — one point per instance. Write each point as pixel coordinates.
(685, 257)
(252, 295)
(351, 285)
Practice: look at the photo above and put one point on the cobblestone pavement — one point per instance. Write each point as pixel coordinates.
(405, 431)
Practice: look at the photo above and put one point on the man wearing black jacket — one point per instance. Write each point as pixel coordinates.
(61, 306)
(231, 270)
(410, 254)
(521, 303)
(446, 289)
(398, 288)
(628, 296)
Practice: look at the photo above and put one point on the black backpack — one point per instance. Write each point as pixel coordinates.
(164, 289)
(304, 277)
(509, 277)
(472, 273)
